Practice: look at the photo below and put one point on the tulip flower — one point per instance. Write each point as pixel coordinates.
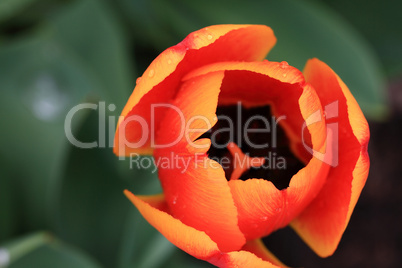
(294, 145)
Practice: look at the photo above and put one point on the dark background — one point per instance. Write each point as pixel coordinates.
(61, 206)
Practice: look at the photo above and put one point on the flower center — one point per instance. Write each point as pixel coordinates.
(250, 143)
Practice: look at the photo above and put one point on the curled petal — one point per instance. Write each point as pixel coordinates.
(261, 207)
(258, 248)
(161, 80)
(323, 222)
(195, 187)
(241, 259)
(263, 83)
(195, 242)
(192, 113)
(192, 241)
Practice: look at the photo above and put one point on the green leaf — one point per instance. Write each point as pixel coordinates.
(90, 209)
(42, 250)
(18, 248)
(9, 206)
(43, 76)
(40, 82)
(304, 30)
(91, 30)
(380, 24)
(89, 204)
(182, 260)
(142, 245)
(9, 8)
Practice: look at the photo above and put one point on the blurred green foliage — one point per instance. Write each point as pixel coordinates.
(55, 54)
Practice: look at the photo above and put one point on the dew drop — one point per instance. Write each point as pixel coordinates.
(278, 209)
(169, 61)
(151, 73)
(138, 80)
(283, 64)
(265, 60)
(264, 218)
(209, 36)
(174, 200)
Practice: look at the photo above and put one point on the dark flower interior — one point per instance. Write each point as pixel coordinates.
(269, 141)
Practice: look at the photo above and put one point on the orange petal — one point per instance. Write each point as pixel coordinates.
(192, 241)
(195, 187)
(261, 206)
(241, 259)
(258, 248)
(191, 114)
(200, 197)
(161, 80)
(323, 222)
(280, 71)
(262, 83)
(195, 242)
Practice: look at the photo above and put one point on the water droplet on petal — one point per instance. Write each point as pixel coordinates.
(283, 64)
(265, 60)
(174, 200)
(151, 73)
(138, 80)
(264, 218)
(169, 61)
(278, 209)
(209, 36)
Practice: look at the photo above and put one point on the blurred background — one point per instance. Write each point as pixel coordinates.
(61, 206)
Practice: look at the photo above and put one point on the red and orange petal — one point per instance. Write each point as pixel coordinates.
(198, 243)
(192, 241)
(258, 248)
(240, 259)
(262, 208)
(323, 222)
(200, 197)
(262, 83)
(190, 114)
(161, 80)
(195, 187)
